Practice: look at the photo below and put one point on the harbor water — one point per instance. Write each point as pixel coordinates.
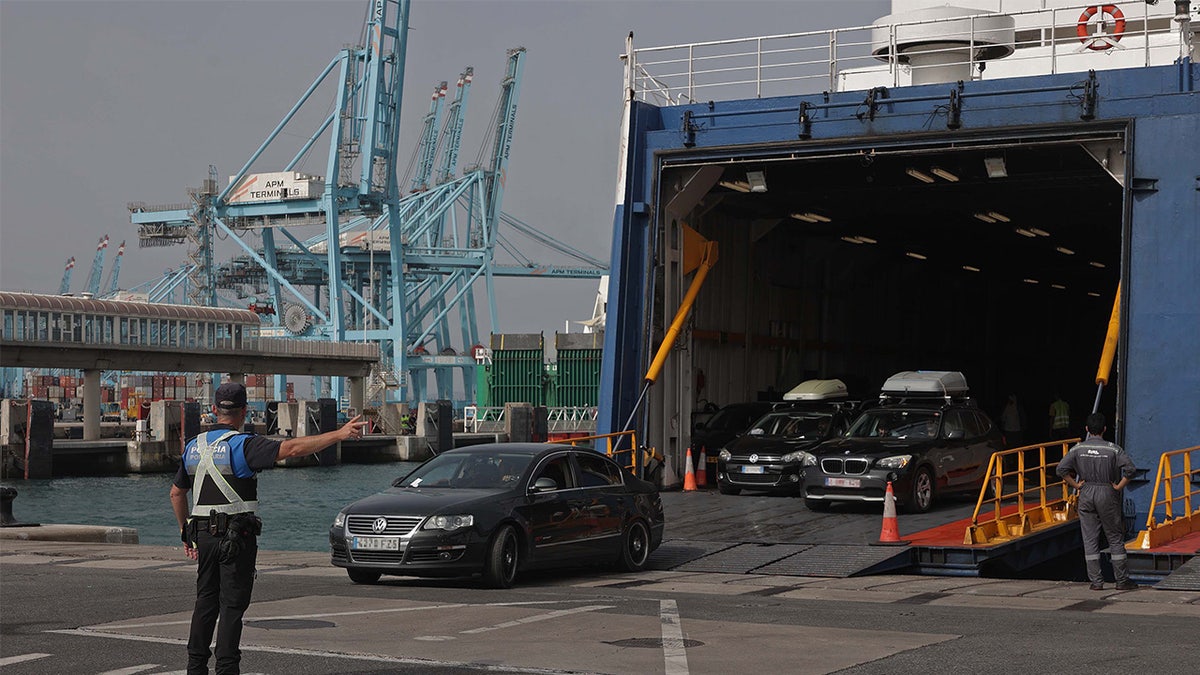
(297, 504)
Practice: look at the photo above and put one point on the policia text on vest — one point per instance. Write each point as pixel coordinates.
(220, 469)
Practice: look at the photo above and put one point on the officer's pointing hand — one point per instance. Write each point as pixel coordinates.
(354, 428)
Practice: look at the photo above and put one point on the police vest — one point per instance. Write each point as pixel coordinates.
(215, 485)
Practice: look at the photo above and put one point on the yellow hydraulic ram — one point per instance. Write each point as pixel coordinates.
(1110, 348)
(699, 254)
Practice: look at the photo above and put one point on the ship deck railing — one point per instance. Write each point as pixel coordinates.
(1046, 41)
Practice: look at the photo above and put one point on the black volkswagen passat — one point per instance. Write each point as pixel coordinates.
(498, 509)
(925, 449)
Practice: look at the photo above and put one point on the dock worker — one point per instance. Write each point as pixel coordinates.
(220, 468)
(1100, 470)
(1060, 418)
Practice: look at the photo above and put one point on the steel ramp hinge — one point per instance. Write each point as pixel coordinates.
(1143, 185)
(1088, 103)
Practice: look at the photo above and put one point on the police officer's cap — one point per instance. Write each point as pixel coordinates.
(231, 396)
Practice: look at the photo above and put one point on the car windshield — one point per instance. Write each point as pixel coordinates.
(791, 425)
(469, 470)
(895, 424)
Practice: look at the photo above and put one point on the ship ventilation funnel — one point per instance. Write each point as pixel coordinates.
(942, 44)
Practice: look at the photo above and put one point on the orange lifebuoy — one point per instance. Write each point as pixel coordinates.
(1100, 42)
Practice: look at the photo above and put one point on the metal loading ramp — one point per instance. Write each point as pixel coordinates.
(1185, 577)
(818, 560)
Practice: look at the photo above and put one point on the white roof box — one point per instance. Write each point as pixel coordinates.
(817, 390)
(926, 383)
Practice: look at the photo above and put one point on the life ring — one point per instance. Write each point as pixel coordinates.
(1100, 42)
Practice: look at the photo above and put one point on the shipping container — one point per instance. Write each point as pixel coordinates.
(517, 372)
(577, 381)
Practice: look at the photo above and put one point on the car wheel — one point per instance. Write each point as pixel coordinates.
(816, 505)
(500, 566)
(920, 498)
(726, 490)
(635, 547)
(364, 576)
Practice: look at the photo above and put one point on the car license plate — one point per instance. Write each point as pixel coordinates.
(375, 543)
(843, 482)
(752, 469)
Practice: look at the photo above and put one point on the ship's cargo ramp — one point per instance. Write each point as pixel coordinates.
(1024, 519)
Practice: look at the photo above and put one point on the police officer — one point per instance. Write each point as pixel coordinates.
(1099, 470)
(220, 531)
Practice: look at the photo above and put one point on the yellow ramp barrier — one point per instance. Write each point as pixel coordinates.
(1177, 494)
(1021, 494)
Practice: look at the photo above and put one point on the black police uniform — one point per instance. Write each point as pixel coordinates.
(222, 471)
(1100, 464)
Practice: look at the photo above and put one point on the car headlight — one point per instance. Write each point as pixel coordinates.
(448, 522)
(896, 462)
(339, 519)
(725, 455)
(805, 458)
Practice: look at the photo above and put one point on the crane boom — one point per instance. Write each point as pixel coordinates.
(115, 272)
(66, 280)
(93, 285)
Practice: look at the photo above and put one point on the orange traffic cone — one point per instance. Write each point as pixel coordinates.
(689, 478)
(889, 535)
(702, 470)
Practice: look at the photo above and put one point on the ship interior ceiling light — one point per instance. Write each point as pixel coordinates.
(1024, 232)
(757, 180)
(985, 217)
(740, 186)
(938, 171)
(919, 175)
(1039, 232)
(810, 217)
(998, 216)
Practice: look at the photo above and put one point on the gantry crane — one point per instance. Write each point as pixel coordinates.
(423, 251)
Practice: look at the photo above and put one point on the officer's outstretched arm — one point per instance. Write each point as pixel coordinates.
(308, 445)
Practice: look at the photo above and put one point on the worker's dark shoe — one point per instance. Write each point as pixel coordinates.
(1097, 587)
(1127, 585)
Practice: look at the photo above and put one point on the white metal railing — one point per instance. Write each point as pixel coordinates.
(559, 420)
(1046, 42)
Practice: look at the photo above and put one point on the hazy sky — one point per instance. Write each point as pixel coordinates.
(103, 103)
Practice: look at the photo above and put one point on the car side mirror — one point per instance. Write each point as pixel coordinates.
(956, 434)
(544, 484)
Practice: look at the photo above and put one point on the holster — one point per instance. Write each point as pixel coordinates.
(238, 531)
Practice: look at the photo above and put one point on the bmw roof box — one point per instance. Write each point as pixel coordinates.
(817, 390)
(925, 383)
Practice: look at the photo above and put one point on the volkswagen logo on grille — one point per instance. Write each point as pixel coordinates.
(379, 525)
(753, 458)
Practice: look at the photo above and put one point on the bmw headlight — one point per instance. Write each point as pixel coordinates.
(448, 522)
(805, 458)
(339, 519)
(896, 462)
(725, 455)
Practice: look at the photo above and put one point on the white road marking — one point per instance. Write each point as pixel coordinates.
(131, 670)
(674, 653)
(536, 618)
(435, 638)
(389, 610)
(349, 656)
(8, 661)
